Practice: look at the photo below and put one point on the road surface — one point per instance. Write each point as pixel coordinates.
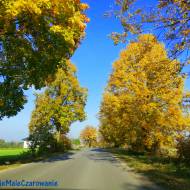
(92, 169)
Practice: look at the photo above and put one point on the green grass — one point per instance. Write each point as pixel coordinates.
(13, 157)
(10, 151)
(163, 171)
(10, 157)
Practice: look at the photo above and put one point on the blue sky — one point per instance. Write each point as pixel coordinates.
(93, 59)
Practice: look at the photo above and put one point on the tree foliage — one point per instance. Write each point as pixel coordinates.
(36, 37)
(58, 107)
(170, 19)
(89, 136)
(11, 144)
(142, 104)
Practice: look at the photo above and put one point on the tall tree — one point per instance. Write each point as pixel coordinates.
(89, 136)
(142, 105)
(169, 19)
(59, 106)
(36, 37)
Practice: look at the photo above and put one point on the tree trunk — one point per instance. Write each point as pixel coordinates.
(156, 149)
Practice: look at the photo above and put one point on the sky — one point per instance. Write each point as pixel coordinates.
(94, 59)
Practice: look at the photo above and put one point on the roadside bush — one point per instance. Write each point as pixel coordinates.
(63, 144)
(42, 140)
(183, 150)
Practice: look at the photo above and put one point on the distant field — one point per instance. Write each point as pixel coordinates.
(13, 157)
(10, 151)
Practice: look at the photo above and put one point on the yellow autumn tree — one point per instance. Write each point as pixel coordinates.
(111, 127)
(89, 136)
(61, 104)
(142, 104)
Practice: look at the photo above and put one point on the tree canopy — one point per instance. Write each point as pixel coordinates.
(89, 136)
(36, 38)
(142, 104)
(59, 106)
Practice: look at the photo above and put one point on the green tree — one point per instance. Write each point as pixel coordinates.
(59, 106)
(36, 38)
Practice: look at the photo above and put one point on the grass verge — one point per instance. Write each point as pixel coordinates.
(10, 158)
(162, 171)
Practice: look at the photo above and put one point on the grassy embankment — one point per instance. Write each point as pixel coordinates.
(165, 172)
(13, 157)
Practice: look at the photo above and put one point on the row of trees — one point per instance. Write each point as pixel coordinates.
(37, 39)
(142, 105)
(12, 144)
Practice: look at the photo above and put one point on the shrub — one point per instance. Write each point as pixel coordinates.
(183, 150)
(63, 144)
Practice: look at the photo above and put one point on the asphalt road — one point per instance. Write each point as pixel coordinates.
(93, 169)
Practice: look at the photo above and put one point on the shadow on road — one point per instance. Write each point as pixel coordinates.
(98, 154)
(66, 156)
(128, 186)
(28, 158)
